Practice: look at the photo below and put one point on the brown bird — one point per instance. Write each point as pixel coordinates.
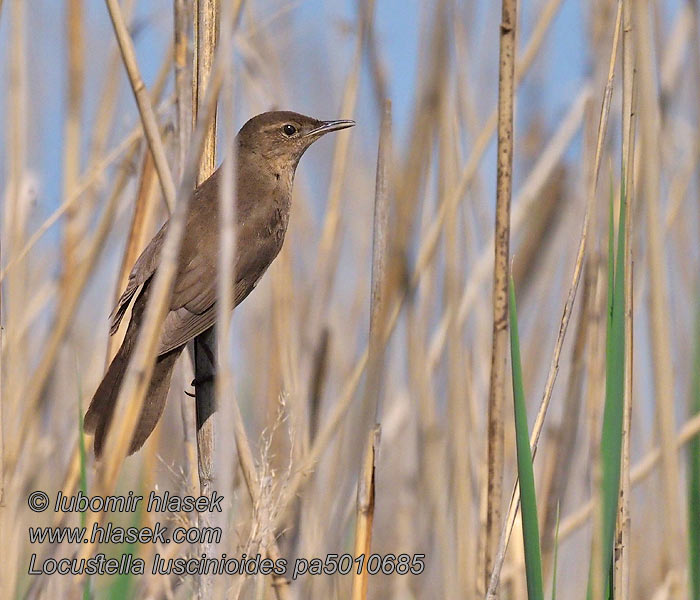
(269, 147)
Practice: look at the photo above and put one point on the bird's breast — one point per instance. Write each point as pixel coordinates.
(277, 224)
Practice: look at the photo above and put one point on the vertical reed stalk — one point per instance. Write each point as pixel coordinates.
(494, 483)
(220, 344)
(365, 512)
(623, 539)
(148, 118)
(184, 67)
(662, 355)
(141, 227)
(183, 62)
(459, 428)
(373, 385)
(206, 28)
(76, 218)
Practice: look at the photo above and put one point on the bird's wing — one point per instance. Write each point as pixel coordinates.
(143, 269)
(192, 303)
(195, 282)
(193, 306)
(194, 290)
(198, 222)
(182, 325)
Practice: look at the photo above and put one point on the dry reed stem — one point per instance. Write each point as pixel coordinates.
(562, 448)
(372, 403)
(621, 564)
(141, 221)
(76, 217)
(148, 118)
(483, 265)
(578, 265)
(319, 374)
(189, 429)
(139, 231)
(223, 476)
(460, 427)
(206, 33)
(365, 511)
(104, 121)
(182, 61)
(623, 534)
(378, 298)
(662, 357)
(379, 79)
(504, 183)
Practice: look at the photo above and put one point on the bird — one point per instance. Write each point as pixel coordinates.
(268, 149)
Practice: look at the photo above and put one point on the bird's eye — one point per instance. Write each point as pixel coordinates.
(289, 130)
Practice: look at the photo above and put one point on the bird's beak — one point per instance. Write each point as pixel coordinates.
(327, 126)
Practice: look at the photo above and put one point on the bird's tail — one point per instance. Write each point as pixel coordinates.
(99, 415)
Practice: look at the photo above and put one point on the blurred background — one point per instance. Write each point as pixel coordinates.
(76, 167)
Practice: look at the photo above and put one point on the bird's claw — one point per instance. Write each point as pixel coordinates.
(199, 381)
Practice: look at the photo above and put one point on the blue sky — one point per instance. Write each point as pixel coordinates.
(321, 43)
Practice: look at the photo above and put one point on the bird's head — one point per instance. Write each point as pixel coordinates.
(283, 136)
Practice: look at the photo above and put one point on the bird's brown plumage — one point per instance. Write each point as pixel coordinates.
(267, 157)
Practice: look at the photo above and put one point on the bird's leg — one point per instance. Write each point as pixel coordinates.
(207, 378)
